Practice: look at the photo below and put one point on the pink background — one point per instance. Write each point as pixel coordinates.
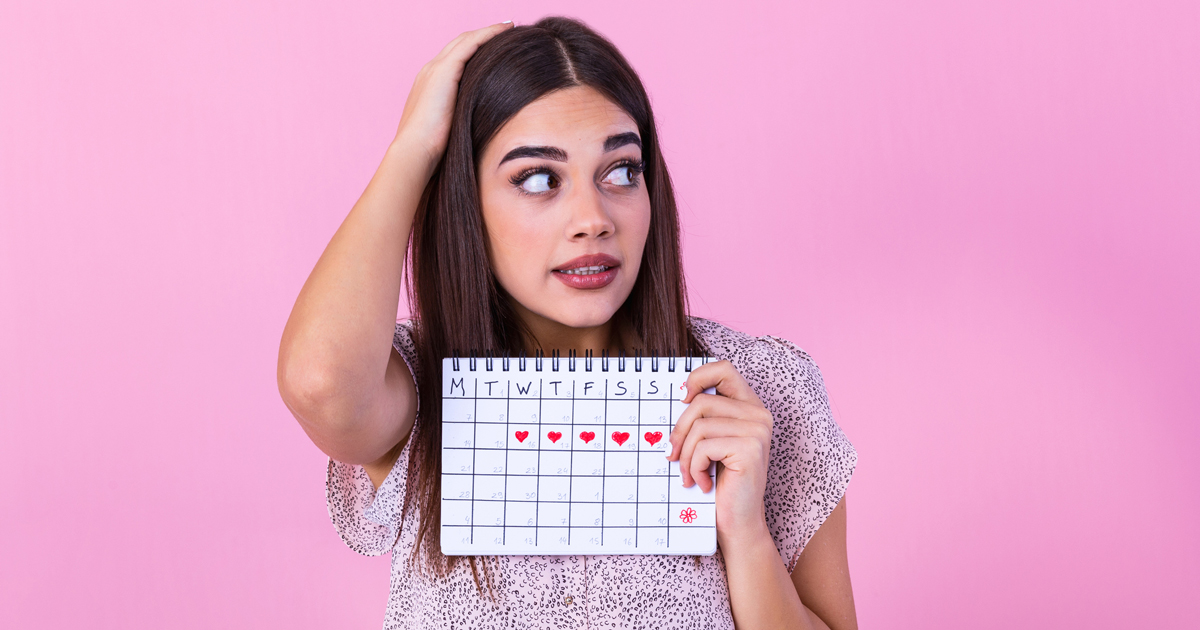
(980, 218)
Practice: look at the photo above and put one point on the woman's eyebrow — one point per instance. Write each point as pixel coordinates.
(611, 143)
(620, 140)
(549, 153)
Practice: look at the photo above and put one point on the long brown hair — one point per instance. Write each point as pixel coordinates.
(460, 307)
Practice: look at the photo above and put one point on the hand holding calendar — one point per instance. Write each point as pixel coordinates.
(732, 427)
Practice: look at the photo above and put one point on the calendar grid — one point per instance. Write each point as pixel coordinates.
(593, 481)
(570, 459)
(671, 417)
(474, 441)
(603, 462)
(637, 491)
(543, 398)
(507, 430)
(537, 508)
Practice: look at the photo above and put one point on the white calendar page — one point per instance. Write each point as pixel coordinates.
(567, 456)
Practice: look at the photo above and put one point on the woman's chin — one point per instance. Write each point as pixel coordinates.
(580, 313)
(572, 308)
(583, 320)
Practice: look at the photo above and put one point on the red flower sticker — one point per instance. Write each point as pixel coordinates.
(687, 515)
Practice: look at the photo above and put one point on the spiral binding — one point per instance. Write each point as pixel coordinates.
(586, 363)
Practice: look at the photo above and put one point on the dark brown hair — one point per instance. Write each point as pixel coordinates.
(460, 307)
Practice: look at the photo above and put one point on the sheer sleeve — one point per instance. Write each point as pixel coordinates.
(369, 520)
(811, 459)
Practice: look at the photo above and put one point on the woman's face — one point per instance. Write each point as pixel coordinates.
(565, 208)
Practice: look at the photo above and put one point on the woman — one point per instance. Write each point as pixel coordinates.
(527, 171)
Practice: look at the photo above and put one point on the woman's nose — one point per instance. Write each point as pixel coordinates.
(588, 215)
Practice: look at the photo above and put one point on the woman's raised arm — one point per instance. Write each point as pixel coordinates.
(338, 372)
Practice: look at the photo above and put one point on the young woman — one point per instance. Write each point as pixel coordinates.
(527, 193)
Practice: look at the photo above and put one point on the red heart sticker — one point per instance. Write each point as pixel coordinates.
(587, 436)
(554, 436)
(654, 437)
(521, 435)
(619, 437)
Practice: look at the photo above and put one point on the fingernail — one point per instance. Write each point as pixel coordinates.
(507, 22)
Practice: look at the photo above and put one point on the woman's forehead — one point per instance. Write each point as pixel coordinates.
(578, 117)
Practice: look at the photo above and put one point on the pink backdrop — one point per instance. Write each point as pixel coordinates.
(979, 217)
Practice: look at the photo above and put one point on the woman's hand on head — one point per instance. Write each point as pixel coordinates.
(338, 371)
(425, 123)
(731, 427)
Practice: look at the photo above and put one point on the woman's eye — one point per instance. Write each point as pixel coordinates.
(619, 176)
(539, 182)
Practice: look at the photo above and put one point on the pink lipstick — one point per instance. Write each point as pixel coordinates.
(592, 271)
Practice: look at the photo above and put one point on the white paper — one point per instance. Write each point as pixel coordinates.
(568, 456)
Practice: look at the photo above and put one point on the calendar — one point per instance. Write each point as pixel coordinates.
(557, 456)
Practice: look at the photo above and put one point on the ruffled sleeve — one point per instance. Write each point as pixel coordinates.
(369, 520)
(811, 460)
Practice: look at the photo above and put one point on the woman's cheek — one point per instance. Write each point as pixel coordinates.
(520, 252)
(636, 230)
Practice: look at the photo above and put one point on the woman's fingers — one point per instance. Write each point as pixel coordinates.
(735, 411)
(429, 108)
(707, 429)
(462, 47)
(725, 378)
(711, 405)
(738, 453)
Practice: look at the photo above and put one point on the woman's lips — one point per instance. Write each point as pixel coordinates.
(593, 271)
(589, 281)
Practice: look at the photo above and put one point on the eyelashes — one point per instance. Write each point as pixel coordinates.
(519, 180)
(542, 179)
(634, 168)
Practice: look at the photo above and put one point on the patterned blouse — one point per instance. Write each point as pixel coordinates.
(810, 465)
